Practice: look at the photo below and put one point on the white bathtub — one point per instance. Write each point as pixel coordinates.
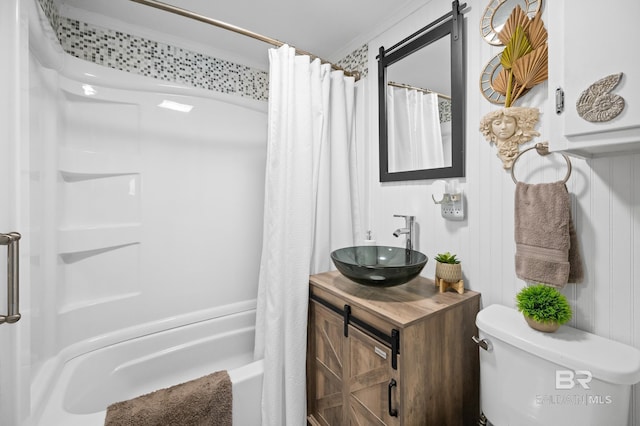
(88, 383)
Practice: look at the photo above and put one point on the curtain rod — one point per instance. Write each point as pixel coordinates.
(406, 86)
(196, 16)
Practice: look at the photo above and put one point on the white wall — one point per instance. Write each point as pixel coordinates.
(605, 202)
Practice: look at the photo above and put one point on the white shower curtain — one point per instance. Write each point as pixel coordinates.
(414, 135)
(309, 201)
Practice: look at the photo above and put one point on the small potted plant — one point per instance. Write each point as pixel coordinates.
(448, 267)
(544, 307)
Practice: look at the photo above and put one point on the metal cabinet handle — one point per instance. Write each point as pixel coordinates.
(13, 283)
(392, 411)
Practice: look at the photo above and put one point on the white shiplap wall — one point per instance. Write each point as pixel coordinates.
(605, 202)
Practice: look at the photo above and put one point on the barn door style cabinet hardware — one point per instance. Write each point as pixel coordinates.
(391, 356)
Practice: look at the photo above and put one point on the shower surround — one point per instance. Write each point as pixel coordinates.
(141, 222)
(146, 202)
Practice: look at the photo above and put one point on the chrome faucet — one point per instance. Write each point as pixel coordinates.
(407, 230)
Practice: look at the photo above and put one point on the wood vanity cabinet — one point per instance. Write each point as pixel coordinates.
(587, 42)
(391, 356)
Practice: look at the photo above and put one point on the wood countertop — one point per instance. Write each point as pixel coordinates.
(402, 305)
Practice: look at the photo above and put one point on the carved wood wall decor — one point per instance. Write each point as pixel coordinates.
(597, 103)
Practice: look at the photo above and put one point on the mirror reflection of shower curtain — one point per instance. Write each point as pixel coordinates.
(414, 131)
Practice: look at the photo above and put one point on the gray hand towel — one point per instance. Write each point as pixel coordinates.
(546, 241)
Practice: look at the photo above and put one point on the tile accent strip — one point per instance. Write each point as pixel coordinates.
(50, 10)
(162, 61)
(356, 61)
(444, 108)
(138, 55)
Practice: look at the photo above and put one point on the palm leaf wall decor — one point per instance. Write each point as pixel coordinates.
(517, 18)
(536, 31)
(517, 47)
(532, 68)
(525, 57)
(501, 82)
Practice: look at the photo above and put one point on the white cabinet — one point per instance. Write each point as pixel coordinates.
(589, 40)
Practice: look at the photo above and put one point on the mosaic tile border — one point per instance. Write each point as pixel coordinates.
(444, 108)
(150, 58)
(162, 61)
(50, 10)
(356, 61)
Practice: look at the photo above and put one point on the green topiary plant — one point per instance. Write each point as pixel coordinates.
(544, 304)
(446, 258)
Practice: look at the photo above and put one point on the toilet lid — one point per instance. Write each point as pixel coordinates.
(606, 359)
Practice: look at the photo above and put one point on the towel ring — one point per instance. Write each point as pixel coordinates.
(543, 149)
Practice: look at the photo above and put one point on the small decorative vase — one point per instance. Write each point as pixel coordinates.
(450, 272)
(546, 327)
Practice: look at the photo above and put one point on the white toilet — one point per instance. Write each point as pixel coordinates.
(569, 377)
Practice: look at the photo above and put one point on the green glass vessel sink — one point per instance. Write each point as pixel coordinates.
(379, 266)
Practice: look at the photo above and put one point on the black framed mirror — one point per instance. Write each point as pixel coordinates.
(421, 100)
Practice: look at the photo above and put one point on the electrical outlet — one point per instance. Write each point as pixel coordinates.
(453, 207)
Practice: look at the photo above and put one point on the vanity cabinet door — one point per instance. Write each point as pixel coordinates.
(374, 388)
(326, 349)
(587, 42)
(350, 379)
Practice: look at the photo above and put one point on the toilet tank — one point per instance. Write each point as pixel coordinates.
(569, 377)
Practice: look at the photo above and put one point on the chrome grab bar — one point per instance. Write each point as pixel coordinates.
(13, 283)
